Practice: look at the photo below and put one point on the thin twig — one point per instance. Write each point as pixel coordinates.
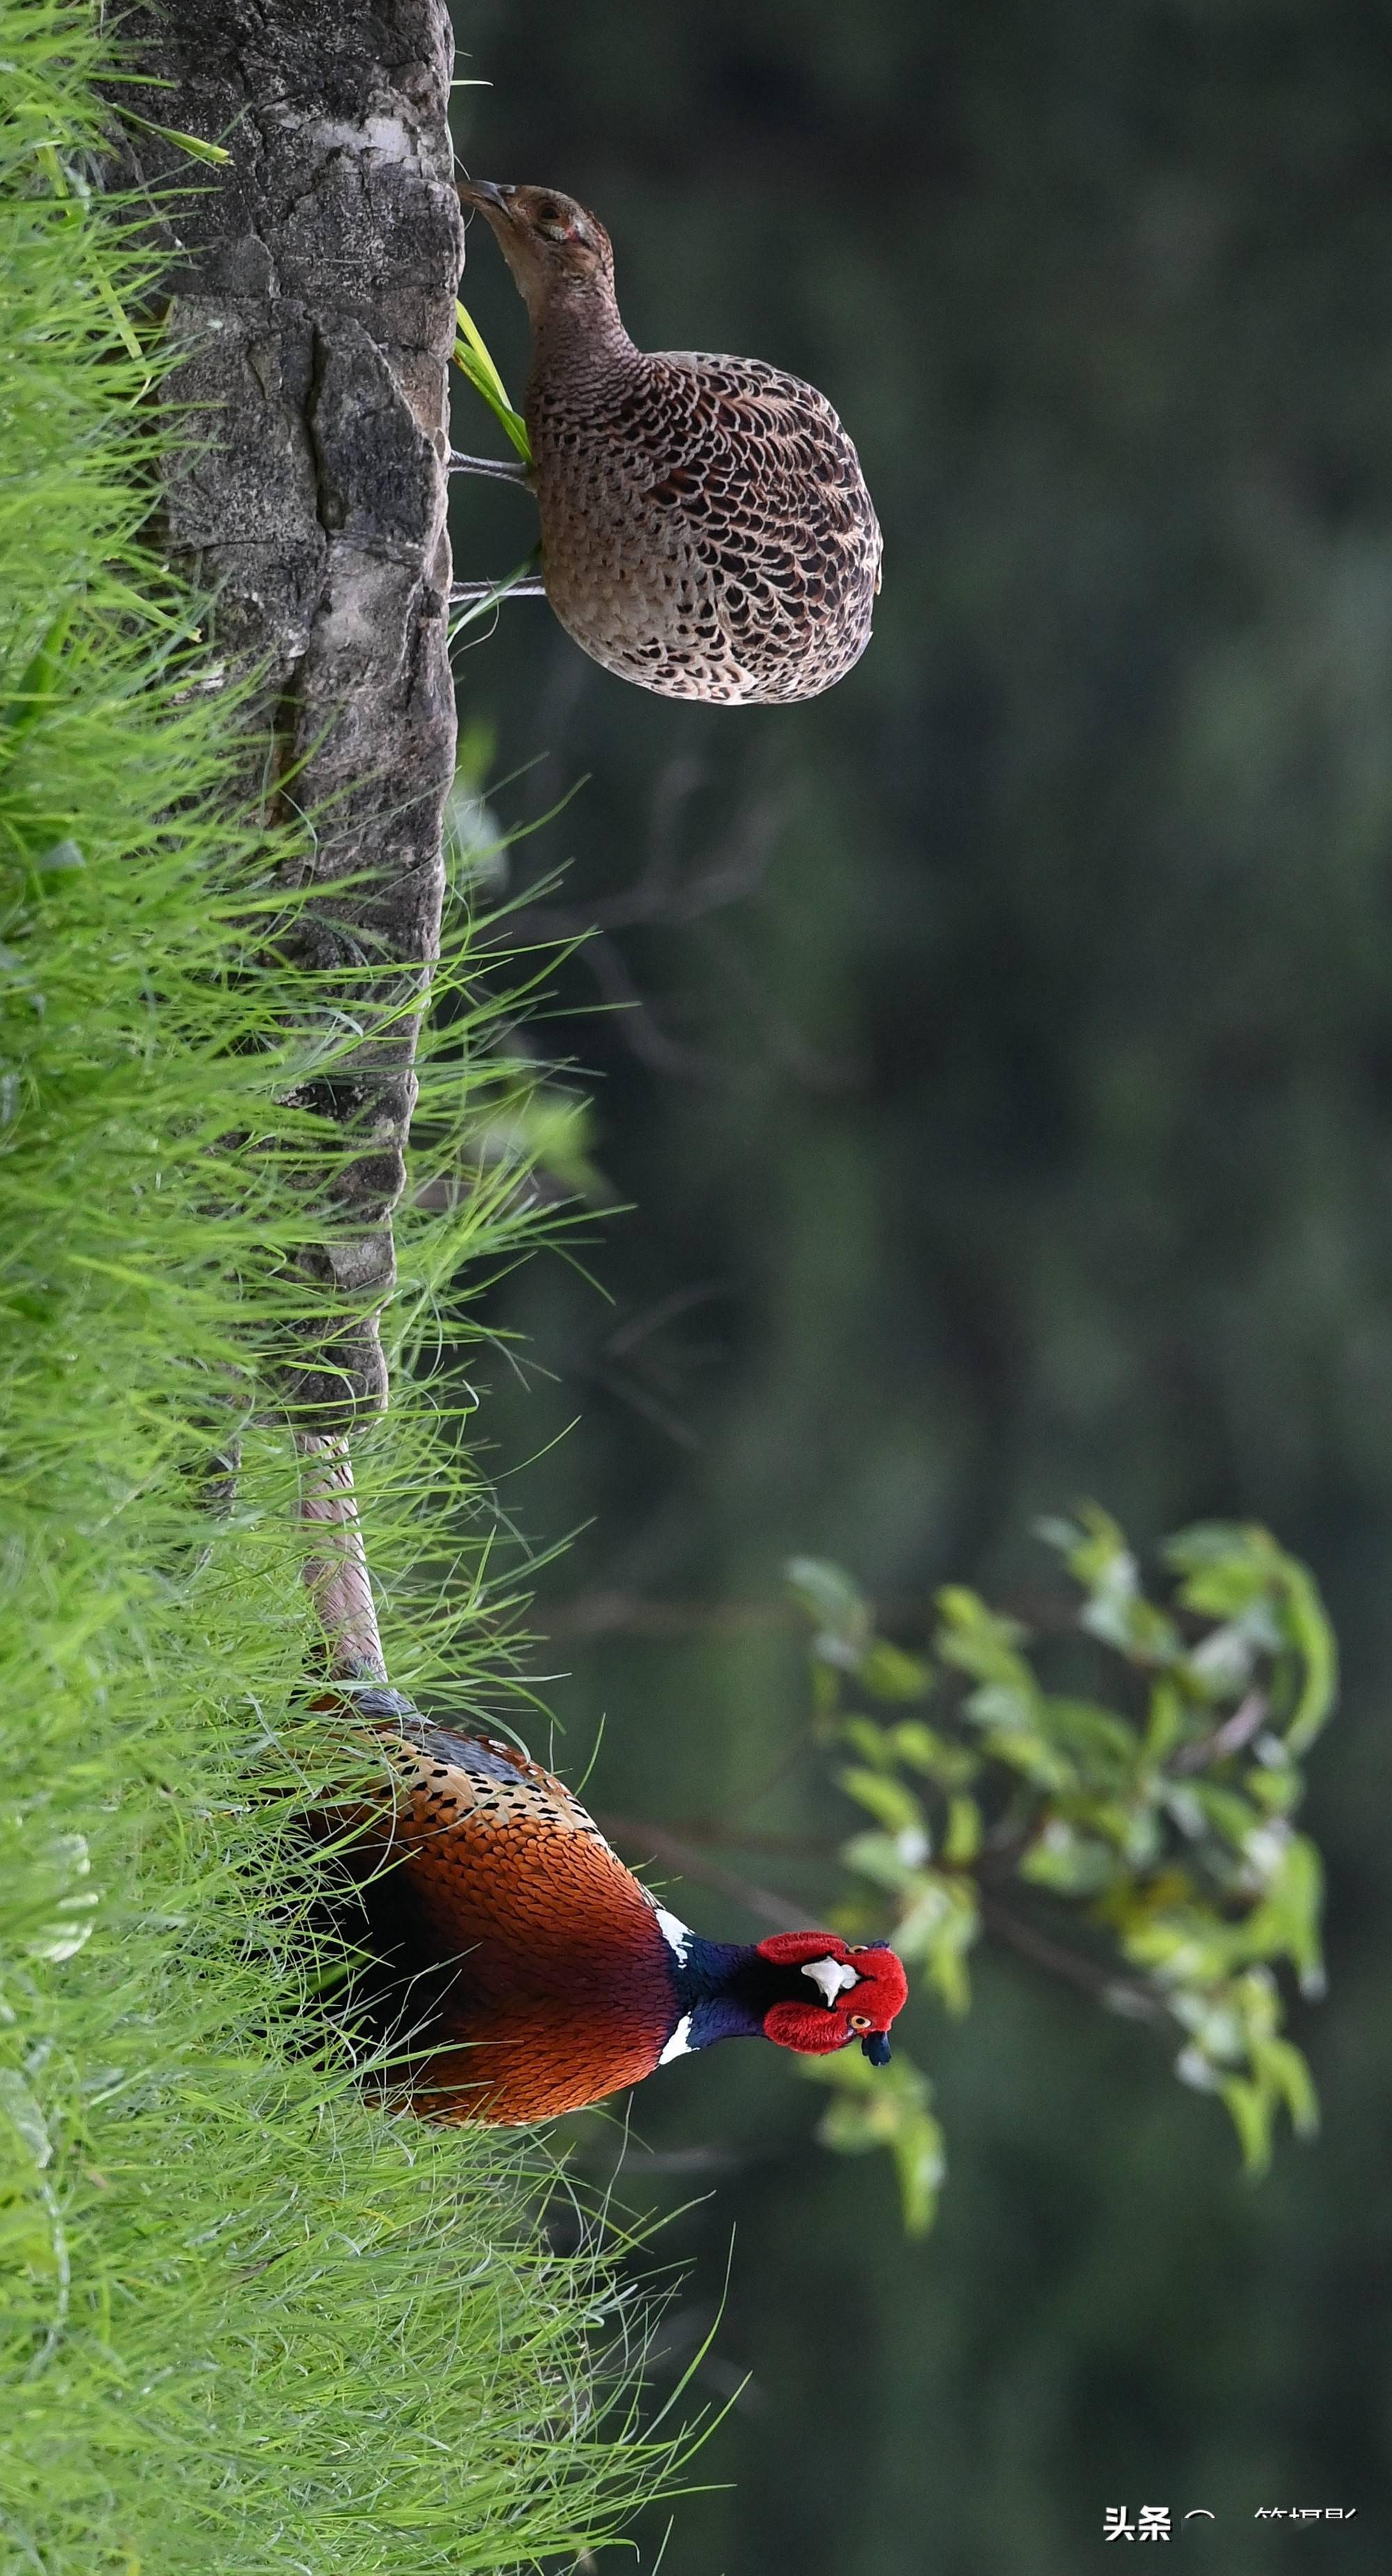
(706, 1832)
(662, 896)
(1247, 1720)
(658, 1844)
(613, 1613)
(1086, 1974)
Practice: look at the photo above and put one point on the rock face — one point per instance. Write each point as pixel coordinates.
(314, 286)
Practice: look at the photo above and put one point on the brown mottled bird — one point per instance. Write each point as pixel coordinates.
(705, 526)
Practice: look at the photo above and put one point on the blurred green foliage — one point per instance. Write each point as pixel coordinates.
(1021, 1129)
(1157, 1821)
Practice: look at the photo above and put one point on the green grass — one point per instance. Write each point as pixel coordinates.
(246, 2321)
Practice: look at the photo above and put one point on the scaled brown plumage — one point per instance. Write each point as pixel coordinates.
(557, 1971)
(528, 1970)
(705, 526)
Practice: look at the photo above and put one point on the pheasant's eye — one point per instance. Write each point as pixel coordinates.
(550, 219)
(860, 2021)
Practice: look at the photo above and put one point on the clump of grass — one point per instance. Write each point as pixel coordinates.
(246, 2321)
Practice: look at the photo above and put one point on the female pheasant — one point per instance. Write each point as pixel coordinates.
(533, 1972)
(705, 526)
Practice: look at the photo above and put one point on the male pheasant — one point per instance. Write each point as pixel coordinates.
(536, 1973)
(532, 1972)
(705, 526)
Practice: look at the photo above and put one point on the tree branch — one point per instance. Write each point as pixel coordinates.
(655, 1843)
(1088, 1975)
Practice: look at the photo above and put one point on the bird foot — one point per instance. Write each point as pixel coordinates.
(500, 468)
(531, 586)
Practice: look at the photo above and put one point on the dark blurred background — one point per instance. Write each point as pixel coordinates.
(1005, 1100)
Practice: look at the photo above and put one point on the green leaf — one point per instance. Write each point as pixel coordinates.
(888, 1673)
(1287, 2073)
(1058, 1532)
(874, 1744)
(1313, 1638)
(884, 2107)
(938, 1926)
(1222, 1665)
(1006, 1718)
(826, 1697)
(1240, 1572)
(887, 1800)
(1010, 1706)
(1069, 1862)
(1286, 1923)
(1131, 1827)
(1226, 1565)
(1225, 1812)
(962, 1841)
(1300, 1897)
(881, 1859)
(471, 356)
(1165, 1721)
(215, 155)
(1094, 1548)
(979, 1641)
(1249, 2108)
(951, 1765)
(1102, 1745)
(849, 2127)
(836, 1606)
(1096, 1553)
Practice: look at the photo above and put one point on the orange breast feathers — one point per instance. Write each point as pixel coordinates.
(560, 1985)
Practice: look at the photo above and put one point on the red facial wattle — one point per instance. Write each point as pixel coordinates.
(863, 2011)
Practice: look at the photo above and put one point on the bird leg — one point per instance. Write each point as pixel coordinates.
(531, 586)
(335, 1573)
(502, 468)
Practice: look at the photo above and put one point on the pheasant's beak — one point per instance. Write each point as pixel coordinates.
(876, 2048)
(489, 195)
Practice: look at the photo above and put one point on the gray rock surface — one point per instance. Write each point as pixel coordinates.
(314, 285)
